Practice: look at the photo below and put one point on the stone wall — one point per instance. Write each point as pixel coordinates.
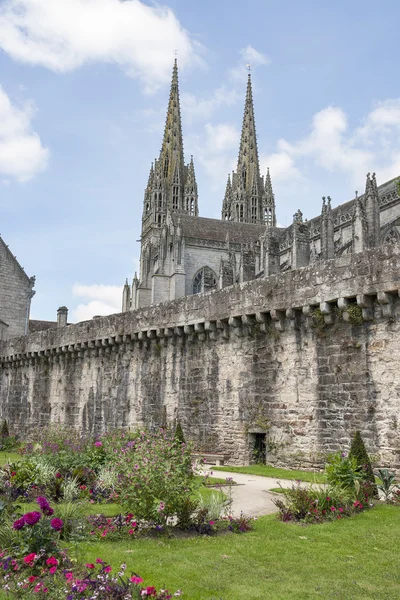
(15, 294)
(306, 357)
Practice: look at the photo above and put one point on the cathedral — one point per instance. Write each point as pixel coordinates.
(183, 253)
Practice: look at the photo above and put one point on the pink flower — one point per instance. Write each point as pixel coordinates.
(31, 518)
(89, 566)
(28, 560)
(82, 587)
(98, 444)
(333, 508)
(52, 570)
(108, 569)
(56, 524)
(52, 561)
(212, 522)
(69, 576)
(136, 580)
(99, 561)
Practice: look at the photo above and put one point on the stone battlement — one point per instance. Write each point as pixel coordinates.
(284, 300)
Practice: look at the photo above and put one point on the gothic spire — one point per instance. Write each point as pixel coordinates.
(248, 153)
(171, 154)
(247, 185)
(227, 203)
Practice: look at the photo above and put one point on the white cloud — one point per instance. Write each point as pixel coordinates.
(333, 146)
(248, 56)
(63, 35)
(21, 152)
(101, 300)
(203, 108)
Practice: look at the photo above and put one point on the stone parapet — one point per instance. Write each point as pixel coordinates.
(371, 280)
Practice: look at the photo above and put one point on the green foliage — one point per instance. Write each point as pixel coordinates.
(179, 435)
(4, 432)
(342, 470)
(216, 505)
(315, 505)
(359, 452)
(155, 476)
(355, 314)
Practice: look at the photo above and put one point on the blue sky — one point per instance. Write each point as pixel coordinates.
(84, 90)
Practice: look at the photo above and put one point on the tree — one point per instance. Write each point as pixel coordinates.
(359, 452)
(4, 430)
(179, 435)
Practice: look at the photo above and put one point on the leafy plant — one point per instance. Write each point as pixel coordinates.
(388, 483)
(70, 489)
(342, 470)
(216, 505)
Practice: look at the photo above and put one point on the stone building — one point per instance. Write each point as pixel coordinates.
(16, 292)
(183, 253)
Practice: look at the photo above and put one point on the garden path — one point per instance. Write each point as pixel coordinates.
(251, 496)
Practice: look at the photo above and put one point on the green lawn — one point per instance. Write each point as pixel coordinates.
(353, 559)
(278, 473)
(6, 457)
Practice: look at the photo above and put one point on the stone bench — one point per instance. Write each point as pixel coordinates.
(210, 458)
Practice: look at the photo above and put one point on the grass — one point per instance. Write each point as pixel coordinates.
(6, 457)
(353, 559)
(278, 473)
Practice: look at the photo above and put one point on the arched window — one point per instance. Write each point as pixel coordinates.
(205, 280)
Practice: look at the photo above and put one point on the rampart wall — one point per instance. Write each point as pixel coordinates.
(306, 357)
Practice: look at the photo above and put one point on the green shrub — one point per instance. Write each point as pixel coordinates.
(179, 435)
(155, 476)
(360, 454)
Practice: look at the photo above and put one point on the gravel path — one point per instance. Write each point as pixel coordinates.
(251, 496)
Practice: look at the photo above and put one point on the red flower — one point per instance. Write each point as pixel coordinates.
(29, 558)
(151, 590)
(89, 566)
(52, 561)
(32, 578)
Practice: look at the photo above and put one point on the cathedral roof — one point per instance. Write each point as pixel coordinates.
(216, 230)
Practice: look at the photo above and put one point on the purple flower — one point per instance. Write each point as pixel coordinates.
(43, 503)
(31, 518)
(48, 511)
(56, 524)
(19, 523)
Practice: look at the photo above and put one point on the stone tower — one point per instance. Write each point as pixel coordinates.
(246, 199)
(171, 189)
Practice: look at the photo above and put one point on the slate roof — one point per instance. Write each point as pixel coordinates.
(215, 230)
(35, 325)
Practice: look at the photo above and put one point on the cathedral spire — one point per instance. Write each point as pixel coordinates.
(248, 165)
(247, 185)
(171, 154)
